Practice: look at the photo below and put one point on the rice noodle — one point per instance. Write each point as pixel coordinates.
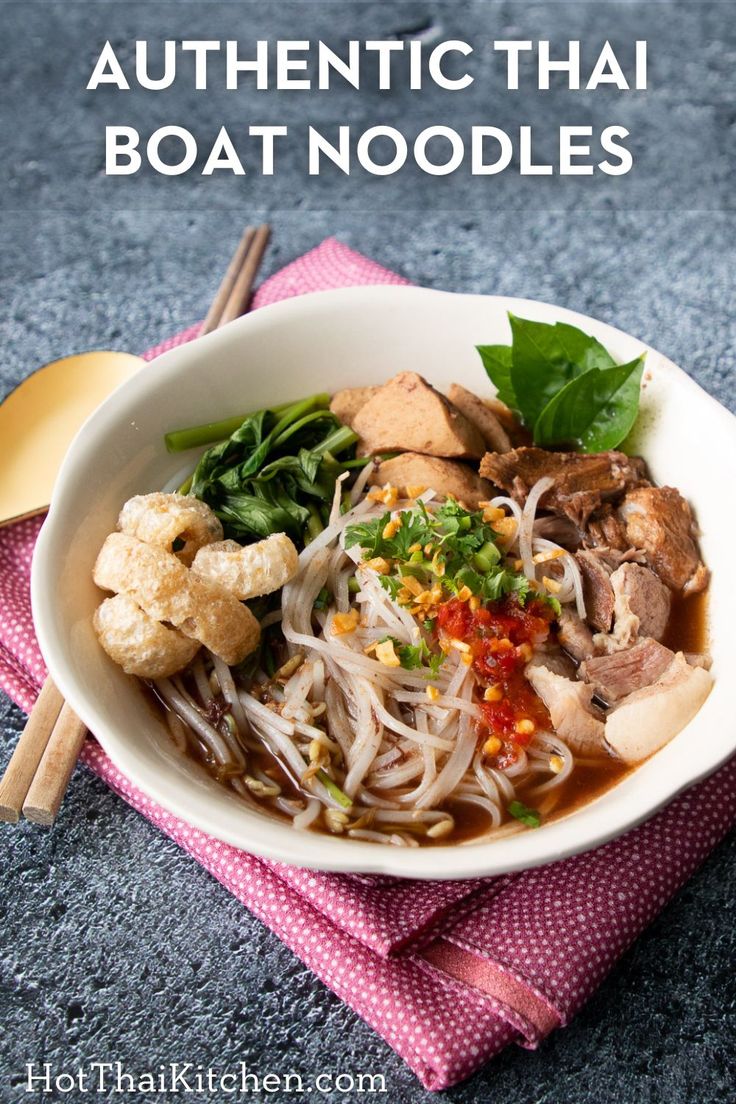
(337, 498)
(362, 482)
(201, 681)
(375, 756)
(230, 693)
(526, 525)
(188, 712)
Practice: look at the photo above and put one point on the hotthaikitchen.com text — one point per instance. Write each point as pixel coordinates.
(183, 1078)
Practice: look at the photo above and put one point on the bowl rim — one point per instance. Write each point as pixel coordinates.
(277, 840)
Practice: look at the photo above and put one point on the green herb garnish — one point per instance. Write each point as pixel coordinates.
(412, 656)
(527, 816)
(565, 385)
(464, 552)
(391, 583)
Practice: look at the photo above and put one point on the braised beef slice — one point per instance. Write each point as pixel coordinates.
(583, 483)
(597, 590)
(606, 529)
(615, 676)
(574, 717)
(660, 521)
(645, 720)
(574, 635)
(642, 602)
(560, 529)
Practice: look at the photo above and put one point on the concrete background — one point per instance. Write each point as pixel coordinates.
(113, 944)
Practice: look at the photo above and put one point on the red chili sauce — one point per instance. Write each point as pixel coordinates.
(501, 636)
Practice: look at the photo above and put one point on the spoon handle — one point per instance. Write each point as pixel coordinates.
(23, 517)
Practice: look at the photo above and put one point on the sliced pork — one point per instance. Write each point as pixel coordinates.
(642, 603)
(595, 569)
(346, 404)
(481, 416)
(619, 674)
(573, 716)
(583, 483)
(408, 414)
(446, 477)
(605, 529)
(648, 719)
(574, 635)
(661, 522)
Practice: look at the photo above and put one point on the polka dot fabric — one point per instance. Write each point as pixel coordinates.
(449, 974)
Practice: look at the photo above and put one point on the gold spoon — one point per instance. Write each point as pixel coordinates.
(41, 416)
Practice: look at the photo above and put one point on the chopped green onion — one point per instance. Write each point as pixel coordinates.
(527, 816)
(486, 558)
(334, 790)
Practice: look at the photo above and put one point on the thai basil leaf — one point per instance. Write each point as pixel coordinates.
(544, 358)
(497, 363)
(593, 412)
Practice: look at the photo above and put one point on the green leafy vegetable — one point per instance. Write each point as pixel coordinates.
(544, 358)
(275, 472)
(565, 385)
(179, 440)
(527, 816)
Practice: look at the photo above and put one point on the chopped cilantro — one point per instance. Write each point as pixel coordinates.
(464, 552)
(436, 660)
(369, 535)
(551, 601)
(412, 656)
(527, 816)
(391, 583)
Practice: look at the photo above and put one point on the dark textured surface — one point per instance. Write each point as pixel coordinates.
(116, 946)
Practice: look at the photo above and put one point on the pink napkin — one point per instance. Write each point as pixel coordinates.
(448, 973)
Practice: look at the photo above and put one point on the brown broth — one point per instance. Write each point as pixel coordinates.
(687, 630)
(589, 780)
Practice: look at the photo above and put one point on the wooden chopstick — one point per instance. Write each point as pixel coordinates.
(214, 314)
(39, 770)
(55, 769)
(239, 299)
(28, 752)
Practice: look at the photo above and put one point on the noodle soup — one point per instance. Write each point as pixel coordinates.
(405, 647)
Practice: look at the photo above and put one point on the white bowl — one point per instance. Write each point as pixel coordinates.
(323, 342)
